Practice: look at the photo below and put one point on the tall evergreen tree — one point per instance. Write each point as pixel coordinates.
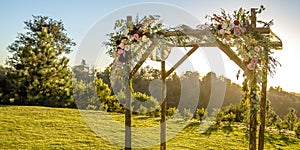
(40, 66)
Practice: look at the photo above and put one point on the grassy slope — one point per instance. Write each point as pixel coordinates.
(27, 127)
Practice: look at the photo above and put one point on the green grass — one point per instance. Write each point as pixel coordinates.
(28, 127)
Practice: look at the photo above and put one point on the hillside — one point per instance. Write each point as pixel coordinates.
(27, 127)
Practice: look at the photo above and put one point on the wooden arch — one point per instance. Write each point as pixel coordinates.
(276, 44)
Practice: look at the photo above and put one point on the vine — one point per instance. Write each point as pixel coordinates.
(252, 47)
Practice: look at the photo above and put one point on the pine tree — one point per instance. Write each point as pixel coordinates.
(41, 72)
(290, 119)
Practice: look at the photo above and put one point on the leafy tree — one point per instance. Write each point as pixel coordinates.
(290, 119)
(6, 85)
(85, 95)
(83, 73)
(271, 116)
(297, 131)
(40, 69)
(110, 103)
(144, 103)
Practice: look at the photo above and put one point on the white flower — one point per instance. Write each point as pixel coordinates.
(145, 38)
(224, 25)
(227, 31)
(125, 31)
(256, 48)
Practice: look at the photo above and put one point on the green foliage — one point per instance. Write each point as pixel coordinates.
(201, 114)
(85, 95)
(229, 117)
(271, 116)
(109, 102)
(290, 119)
(6, 86)
(297, 131)
(40, 69)
(144, 104)
(83, 72)
(172, 111)
(237, 110)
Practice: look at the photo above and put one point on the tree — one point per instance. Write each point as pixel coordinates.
(290, 119)
(6, 85)
(83, 72)
(40, 68)
(109, 102)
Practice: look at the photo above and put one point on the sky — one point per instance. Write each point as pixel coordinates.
(88, 21)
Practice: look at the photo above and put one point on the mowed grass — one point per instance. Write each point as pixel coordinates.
(30, 127)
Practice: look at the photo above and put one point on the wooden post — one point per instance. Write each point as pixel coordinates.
(253, 108)
(163, 132)
(128, 110)
(128, 113)
(253, 115)
(263, 102)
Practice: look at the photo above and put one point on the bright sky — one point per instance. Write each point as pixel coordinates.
(88, 21)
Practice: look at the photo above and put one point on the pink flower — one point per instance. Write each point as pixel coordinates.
(136, 37)
(120, 64)
(237, 32)
(254, 60)
(121, 45)
(222, 31)
(232, 26)
(250, 66)
(243, 30)
(127, 48)
(120, 51)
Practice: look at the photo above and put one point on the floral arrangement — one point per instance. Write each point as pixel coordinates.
(251, 46)
(132, 39)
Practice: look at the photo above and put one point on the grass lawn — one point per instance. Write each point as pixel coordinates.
(30, 127)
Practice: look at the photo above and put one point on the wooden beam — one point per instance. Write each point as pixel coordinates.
(143, 59)
(231, 54)
(190, 52)
(263, 30)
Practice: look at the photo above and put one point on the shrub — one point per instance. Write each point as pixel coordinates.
(172, 111)
(229, 117)
(201, 114)
(147, 103)
(142, 110)
(297, 131)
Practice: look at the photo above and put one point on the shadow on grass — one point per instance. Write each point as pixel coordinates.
(211, 129)
(280, 140)
(192, 126)
(227, 129)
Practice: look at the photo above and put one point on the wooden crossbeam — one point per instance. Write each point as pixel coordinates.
(231, 54)
(143, 59)
(190, 52)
